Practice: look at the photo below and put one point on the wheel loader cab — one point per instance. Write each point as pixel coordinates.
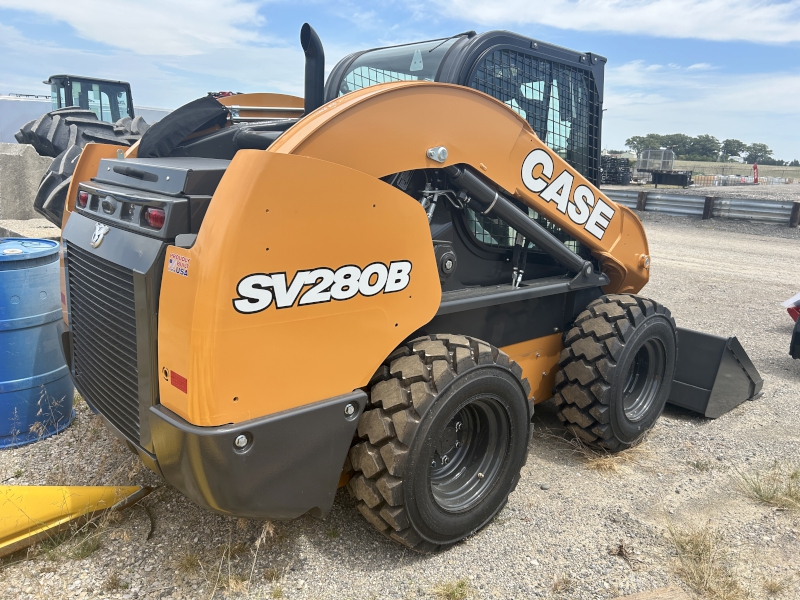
(265, 309)
(109, 100)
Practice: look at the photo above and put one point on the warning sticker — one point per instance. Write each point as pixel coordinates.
(178, 264)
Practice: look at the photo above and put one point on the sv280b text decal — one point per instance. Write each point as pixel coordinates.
(258, 291)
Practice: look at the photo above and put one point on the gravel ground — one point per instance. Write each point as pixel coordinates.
(788, 192)
(570, 530)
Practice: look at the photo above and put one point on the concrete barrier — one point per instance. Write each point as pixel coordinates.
(21, 170)
(29, 228)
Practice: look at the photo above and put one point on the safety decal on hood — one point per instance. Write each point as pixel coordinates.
(259, 291)
(580, 206)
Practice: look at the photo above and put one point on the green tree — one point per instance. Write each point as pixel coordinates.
(680, 143)
(704, 147)
(732, 147)
(795, 163)
(651, 141)
(757, 152)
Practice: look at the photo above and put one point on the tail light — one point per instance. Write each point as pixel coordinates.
(155, 217)
(83, 199)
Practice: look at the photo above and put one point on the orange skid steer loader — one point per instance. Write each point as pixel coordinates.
(269, 297)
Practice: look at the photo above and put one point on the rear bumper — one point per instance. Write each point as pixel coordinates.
(291, 464)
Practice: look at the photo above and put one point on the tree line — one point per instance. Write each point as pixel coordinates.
(706, 148)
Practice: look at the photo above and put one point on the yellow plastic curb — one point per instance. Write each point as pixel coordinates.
(31, 513)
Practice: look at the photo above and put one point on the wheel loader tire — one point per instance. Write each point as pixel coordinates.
(442, 440)
(616, 370)
(51, 134)
(76, 128)
(52, 193)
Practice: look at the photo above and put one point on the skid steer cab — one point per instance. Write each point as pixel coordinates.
(269, 297)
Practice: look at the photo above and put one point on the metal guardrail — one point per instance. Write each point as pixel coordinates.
(625, 197)
(676, 204)
(765, 211)
(756, 210)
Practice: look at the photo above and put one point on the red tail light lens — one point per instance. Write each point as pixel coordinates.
(155, 217)
(83, 199)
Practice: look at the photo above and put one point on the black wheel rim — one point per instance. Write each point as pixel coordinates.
(469, 454)
(643, 380)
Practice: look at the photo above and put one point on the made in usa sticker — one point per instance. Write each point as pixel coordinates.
(178, 264)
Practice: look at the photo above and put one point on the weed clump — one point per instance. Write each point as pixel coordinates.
(453, 590)
(606, 462)
(779, 486)
(704, 564)
(114, 583)
(562, 584)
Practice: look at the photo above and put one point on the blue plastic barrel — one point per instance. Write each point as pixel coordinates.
(36, 390)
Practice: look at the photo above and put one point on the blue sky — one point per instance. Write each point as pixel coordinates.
(729, 68)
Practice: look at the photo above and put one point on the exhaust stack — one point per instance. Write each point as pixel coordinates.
(315, 68)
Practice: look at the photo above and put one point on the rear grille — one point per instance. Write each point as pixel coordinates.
(103, 324)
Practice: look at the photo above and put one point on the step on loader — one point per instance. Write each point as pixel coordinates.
(268, 297)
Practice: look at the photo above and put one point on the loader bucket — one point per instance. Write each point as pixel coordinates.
(713, 374)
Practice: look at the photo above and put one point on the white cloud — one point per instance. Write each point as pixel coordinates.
(644, 98)
(166, 75)
(154, 27)
(760, 21)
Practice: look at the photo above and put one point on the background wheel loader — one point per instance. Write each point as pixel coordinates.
(389, 282)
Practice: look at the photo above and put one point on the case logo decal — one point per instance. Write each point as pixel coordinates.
(99, 232)
(259, 291)
(178, 264)
(580, 206)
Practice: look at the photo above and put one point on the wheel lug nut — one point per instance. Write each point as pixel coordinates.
(445, 460)
(480, 475)
(458, 426)
(433, 464)
(458, 444)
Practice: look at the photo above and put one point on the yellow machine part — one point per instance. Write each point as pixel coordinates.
(32, 513)
(538, 359)
(279, 214)
(314, 199)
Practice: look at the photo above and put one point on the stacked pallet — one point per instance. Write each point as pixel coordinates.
(615, 170)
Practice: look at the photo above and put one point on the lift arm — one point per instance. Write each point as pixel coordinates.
(388, 128)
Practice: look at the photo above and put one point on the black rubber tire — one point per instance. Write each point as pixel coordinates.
(53, 133)
(68, 130)
(414, 397)
(52, 193)
(621, 351)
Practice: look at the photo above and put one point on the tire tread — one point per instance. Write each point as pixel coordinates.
(588, 362)
(416, 372)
